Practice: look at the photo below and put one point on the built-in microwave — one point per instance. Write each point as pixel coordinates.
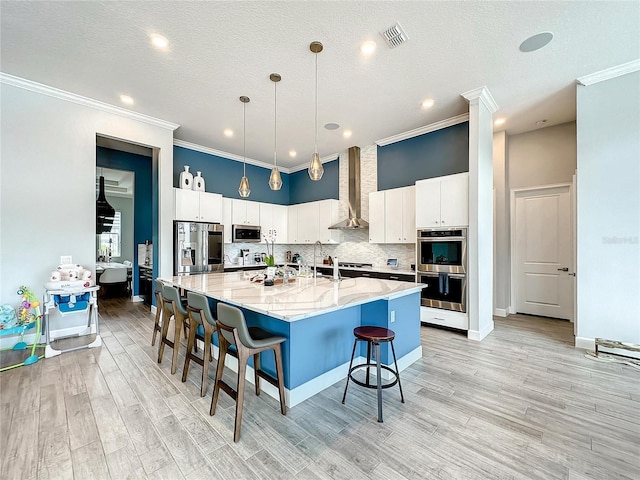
(442, 250)
(245, 233)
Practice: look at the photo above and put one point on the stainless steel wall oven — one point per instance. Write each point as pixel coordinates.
(441, 267)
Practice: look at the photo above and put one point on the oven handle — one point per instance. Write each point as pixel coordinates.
(440, 239)
(435, 275)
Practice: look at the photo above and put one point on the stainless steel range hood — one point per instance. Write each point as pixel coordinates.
(355, 220)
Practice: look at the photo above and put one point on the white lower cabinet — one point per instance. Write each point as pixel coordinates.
(445, 318)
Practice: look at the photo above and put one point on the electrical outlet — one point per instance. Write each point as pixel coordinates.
(393, 316)
(66, 259)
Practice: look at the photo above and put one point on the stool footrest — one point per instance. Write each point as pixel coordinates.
(374, 385)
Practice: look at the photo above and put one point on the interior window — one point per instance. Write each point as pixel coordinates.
(110, 242)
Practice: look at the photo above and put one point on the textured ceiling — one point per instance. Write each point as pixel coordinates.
(221, 50)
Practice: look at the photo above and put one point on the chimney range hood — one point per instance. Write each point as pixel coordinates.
(354, 221)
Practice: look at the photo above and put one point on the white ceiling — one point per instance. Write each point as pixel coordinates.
(224, 49)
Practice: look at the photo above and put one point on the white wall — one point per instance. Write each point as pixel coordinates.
(501, 244)
(47, 180)
(608, 198)
(542, 157)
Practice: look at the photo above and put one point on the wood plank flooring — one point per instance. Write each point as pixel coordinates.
(523, 403)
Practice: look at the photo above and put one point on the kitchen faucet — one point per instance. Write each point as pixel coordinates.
(315, 268)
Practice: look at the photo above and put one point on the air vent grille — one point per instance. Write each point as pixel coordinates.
(394, 35)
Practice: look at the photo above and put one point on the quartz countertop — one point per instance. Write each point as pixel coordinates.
(303, 298)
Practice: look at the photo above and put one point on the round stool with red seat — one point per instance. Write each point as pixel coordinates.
(374, 336)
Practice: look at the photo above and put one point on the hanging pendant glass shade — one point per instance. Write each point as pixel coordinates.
(244, 190)
(315, 168)
(105, 213)
(275, 180)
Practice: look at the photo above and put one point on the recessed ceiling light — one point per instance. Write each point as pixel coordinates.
(540, 123)
(292, 153)
(368, 47)
(126, 99)
(228, 132)
(346, 134)
(536, 42)
(428, 103)
(331, 126)
(158, 40)
(499, 121)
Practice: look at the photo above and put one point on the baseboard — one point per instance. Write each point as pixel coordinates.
(501, 312)
(137, 299)
(478, 335)
(586, 343)
(153, 309)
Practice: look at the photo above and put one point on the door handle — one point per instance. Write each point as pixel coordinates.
(572, 274)
(565, 269)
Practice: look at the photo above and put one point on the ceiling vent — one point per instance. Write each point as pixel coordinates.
(394, 36)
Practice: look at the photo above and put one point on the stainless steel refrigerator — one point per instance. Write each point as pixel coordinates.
(197, 247)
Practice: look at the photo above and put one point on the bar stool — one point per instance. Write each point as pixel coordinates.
(374, 336)
(233, 331)
(159, 307)
(200, 319)
(172, 307)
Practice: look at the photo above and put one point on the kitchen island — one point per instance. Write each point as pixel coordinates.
(317, 316)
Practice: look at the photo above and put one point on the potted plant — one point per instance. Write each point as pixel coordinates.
(270, 262)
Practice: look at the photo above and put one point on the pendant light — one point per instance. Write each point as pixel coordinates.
(315, 166)
(105, 213)
(244, 190)
(275, 180)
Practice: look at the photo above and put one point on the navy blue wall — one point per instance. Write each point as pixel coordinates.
(303, 189)
(144, 201)
(443, 152)
(222, 175)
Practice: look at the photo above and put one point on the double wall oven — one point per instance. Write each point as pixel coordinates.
(442, 268)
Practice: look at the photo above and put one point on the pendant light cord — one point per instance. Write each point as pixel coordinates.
(316, 125)
(244, 140)
(275, 124)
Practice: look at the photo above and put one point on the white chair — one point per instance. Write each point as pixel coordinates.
(113, 278)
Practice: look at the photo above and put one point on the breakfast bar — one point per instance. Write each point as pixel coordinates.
(317, 316)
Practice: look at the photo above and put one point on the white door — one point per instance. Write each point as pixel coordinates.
(543, 252)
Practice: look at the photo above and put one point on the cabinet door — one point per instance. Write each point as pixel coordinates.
(308, 222)
(409, 214)
(253, 213)
(376, 217)
(239, 212)
(210, 207)
(266, 217)
(393, 215)
(292, 224)
(328, 215)
(187, 204)
(428, 203)
(454, 200)
(226, 218)
(280, 223)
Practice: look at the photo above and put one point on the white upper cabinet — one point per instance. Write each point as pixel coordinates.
(392, 216)
(292, 224)
(227, 220)
(443, 201)
(327, 216)
(245, 212)
(197, 206)
(308, 222)
(274, 217)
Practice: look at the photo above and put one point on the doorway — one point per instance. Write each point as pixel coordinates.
(542, 272)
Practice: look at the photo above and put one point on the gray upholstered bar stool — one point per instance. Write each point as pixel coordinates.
(233, 331)
(200, 318)
(172, 308)
(157, 325)
(374, 336)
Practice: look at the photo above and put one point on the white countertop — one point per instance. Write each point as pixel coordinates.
(306, 297)
(384, 269)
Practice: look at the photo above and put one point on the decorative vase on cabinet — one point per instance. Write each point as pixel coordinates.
(186, 178)
(198, 182)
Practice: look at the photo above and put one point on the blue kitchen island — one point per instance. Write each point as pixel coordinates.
(317, 316)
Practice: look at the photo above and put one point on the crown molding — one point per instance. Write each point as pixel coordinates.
(609, 73)
(227, 155)
(432, 127)
(325, 159)
(483, 94)
(84, 101)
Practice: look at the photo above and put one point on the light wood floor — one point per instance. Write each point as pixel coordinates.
(523, 403)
